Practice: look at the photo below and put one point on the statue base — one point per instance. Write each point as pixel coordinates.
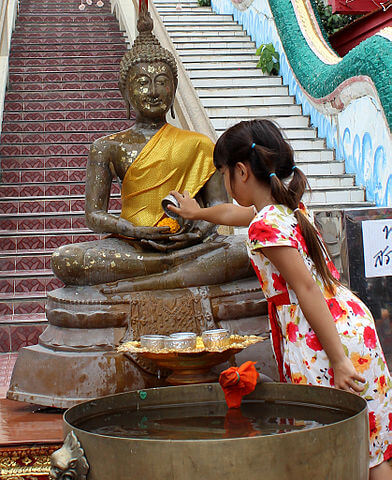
(76, 358)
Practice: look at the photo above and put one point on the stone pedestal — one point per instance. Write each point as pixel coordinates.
(76, 358)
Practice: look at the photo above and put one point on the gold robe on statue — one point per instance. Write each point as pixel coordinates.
(173, 159)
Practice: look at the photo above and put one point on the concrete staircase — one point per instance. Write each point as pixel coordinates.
(63, 93)
(220, 59)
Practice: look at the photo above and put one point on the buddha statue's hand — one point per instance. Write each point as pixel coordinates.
(127, 229)
(197, 232)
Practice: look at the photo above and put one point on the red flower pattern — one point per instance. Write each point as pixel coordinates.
(313, 342)
(279, 283)
(357, 310)
(388, 453)
(262, 232)
(292, 331)
(336, 310)
(332, 375)
(369, 337)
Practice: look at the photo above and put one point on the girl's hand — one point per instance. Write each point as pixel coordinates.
(189, 208)
(346, 377)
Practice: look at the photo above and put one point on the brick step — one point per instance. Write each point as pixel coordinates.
(70, 52)
(63, 9)
(64, 105)
(24, 263)
(63, 68)
(28, 273)
(83, 85)
(106, 115)
(70, 61)
(64, 183)
(53, 29)
(45, 139)
(23, 305)
(28, 286)
(47, 149)
(26, 242)
(56, 37)
(24, 207)
(15, 335)
(79, 47)
(20, 320)
(32, 162)
(93, 126)
(78, 20)
(17, 179)
(64, 95)
(47, 223)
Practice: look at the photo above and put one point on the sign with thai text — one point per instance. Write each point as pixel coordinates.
(377, 247)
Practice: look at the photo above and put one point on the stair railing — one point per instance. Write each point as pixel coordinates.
(8, 14)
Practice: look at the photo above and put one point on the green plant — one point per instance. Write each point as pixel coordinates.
(333, 22)
(269, 59)
(204, 3)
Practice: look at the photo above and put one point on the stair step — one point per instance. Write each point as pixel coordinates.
(289, 121)
(32, 86)
(196, 27)
(238, 112)
(23, 69)
(58, 61)
(201, 19)
(200, 34)
(260, 81)
(213, 41)
(290, 133)
(199, 58)
(321, 181)
(24, 207)
(27, 306)
(223, 64)
(63, 105)
(213, 102)
(46, 161)
(25, 242)
(67, 95)
(17, 264)
(227, 92)
(106, 115)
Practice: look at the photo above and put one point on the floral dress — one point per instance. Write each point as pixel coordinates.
(302, 357)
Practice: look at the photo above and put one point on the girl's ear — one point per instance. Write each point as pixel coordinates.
(243, 171)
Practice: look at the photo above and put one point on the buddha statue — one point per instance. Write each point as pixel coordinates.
(149, 160)
(141, 278)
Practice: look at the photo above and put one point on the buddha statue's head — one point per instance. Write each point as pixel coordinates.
(148, 73)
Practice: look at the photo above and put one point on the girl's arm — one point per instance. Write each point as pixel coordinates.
(222, 214)
(313, 305)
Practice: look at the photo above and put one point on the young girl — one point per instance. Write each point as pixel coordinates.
(322, 334)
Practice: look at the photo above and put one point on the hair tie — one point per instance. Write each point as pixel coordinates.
(295, 166)
(296, 210)
(272, 174)
(253, 145)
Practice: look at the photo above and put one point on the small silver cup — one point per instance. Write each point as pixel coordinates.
(171, 200)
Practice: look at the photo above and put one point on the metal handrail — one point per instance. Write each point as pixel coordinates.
(8, 14)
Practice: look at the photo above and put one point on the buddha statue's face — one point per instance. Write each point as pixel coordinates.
(150, 89)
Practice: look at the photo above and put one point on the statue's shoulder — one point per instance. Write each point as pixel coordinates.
(196, 137)
(129, 136)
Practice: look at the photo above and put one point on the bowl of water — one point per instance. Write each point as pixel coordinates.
(282, 431)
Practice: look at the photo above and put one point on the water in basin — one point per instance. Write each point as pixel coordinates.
(211, 420)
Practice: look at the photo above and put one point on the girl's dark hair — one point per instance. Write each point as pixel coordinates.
(260, 144)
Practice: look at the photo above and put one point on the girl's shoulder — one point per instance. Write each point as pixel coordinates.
(273, 225)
